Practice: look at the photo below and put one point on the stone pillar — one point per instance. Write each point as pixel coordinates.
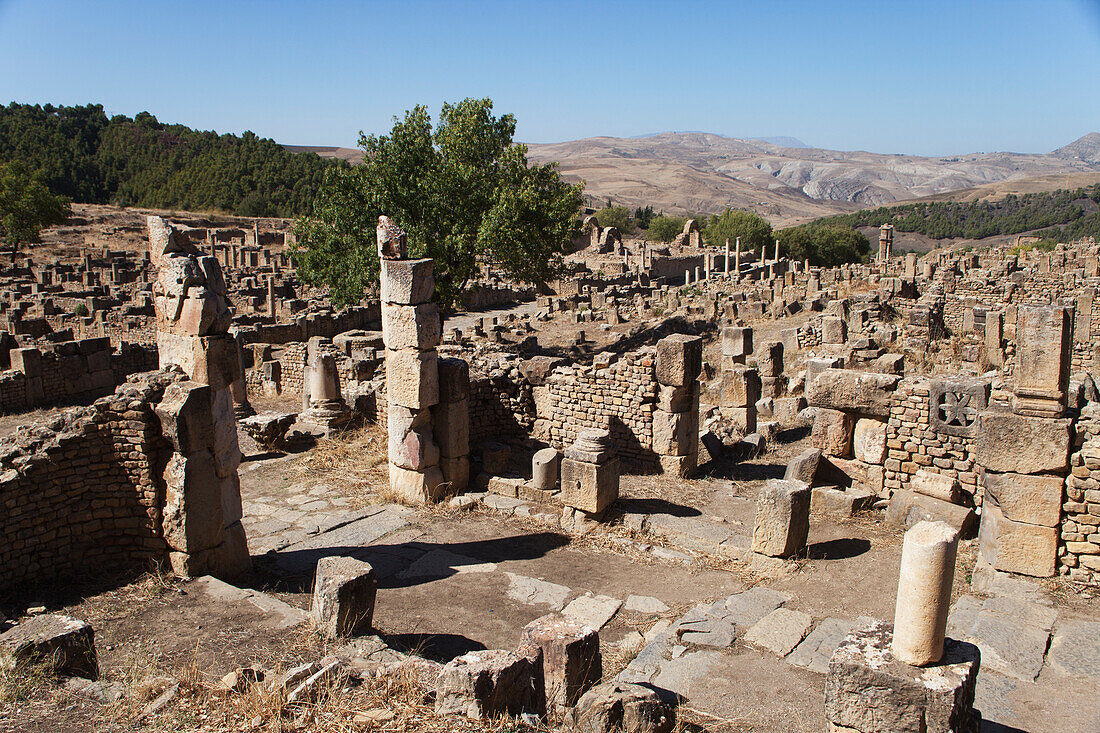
(201, 518)
(589, 477)
(411, 330)
(325, 409)
(676, 418)
(241, 406)
(924, 592)
(271, 295)
(1043, 348)
(727, 261)
(994, 338)
(782, 522)
(451, 423)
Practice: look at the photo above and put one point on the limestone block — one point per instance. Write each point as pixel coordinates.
(782, 518)
(412, 377)
(682, 466)
(407, 282)
(623, 706)
(344, 590)
(488, 684)
(590, 487)
(769, 359)
(1017, 547)
(674, 433)
(186, 418)
(27, 360)
(833, 330)
(211, 360)
(411, 326)
(414, 487)
(740, 387)
(1043, 348)
(227, 451)
(456, 474)
(193, 515)
(737, 343)
(866, 393)
(787, 409)
(1010, 443)
(454, 379)
(546, 469)
(906, 508)
(60, 645)
(677, 399)
(1022, 498)
(869, 441)
(936, 485)
(411, 444)
(451, 428)
(679, 359)
(868, 691)
(832, 432)
(815, 367)
(803, 467)
(569, 654)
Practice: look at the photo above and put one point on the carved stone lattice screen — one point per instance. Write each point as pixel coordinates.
(955, 404)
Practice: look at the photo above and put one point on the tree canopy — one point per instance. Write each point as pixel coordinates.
(142, 162)
(824, 245)
(616, 216)
(26, 204)
(665, 228)
(755, 232)
(463, 192)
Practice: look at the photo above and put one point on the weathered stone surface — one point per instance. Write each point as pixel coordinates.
(840, 502)
(186, 418)
(412, 379)
(869, 441)
(411, 326)
(1023, 498)
(782, 518)
(592, 611)
(832, 432)
(535, 592)
(1010, 443)
(679, 359)
(451, 428)
(60, 645)
(906, 508)
(867, 690)
(737, 342)
(416, 487)
(454, 379)
(411, 445)
(675, 433)
(568, 652)
(803, 467)
(865, 393)
(780, 631)
(546, 468)
(1017, 547)
(625, 707)
(488, 684)
(590, 487)
(407, 282)
(344, 590)
(1042, 358)
(193, 517)
(817, 648)
(1075, 651)
(936, 485)
(740, 387)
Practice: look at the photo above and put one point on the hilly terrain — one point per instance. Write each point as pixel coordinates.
(700, 172)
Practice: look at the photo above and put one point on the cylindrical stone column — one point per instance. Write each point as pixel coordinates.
(924, 592)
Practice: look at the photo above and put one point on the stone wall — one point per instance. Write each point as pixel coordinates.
(1079, 540)
(84, 492)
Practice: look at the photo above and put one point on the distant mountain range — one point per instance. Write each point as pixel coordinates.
(782, 178)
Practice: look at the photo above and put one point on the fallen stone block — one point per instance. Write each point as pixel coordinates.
(488, 684)
(803, 467)
(623, 707)
(840, 502)
(868, 691)
(906, 508)
(865, 393)
(936, 485)
(567, 652)
(344, 590)
(782, 518)
(60, 645)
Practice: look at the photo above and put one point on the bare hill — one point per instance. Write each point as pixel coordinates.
(684, 172)
(352, 155)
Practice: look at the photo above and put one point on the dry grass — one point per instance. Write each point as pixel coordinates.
(352, 461)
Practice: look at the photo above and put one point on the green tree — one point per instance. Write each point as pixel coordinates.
(755, 232)
(616, 216)
(26, 204)
(665, 228)
(823, 245)
(643, 217)
(463, 192)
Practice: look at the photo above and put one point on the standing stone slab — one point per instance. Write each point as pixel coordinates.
(679, 359)
(1017, 547)
(569, 654)
(782, 518)
(868, 691)
(344, 590)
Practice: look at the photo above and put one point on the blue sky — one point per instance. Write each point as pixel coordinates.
(895, 77)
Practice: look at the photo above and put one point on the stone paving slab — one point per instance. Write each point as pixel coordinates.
(645, 604)
(681, 674)
(438, 564)
(1075, 651)
(745, 609)
(593, 611)
(536, 592)
(1011, 631)
(780, 631)
(816, 649)
(284, 616)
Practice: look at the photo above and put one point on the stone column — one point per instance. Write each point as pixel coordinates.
(325, 409)
(737, 261)
(271, 295)
(924, 592)
(451, 423)
(676, 418)
(201, 517)
(411, 330)
(589, 477)
(241, 406)
(727, 262)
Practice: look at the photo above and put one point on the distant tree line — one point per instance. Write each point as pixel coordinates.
(87, 157)
(1061, 215)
